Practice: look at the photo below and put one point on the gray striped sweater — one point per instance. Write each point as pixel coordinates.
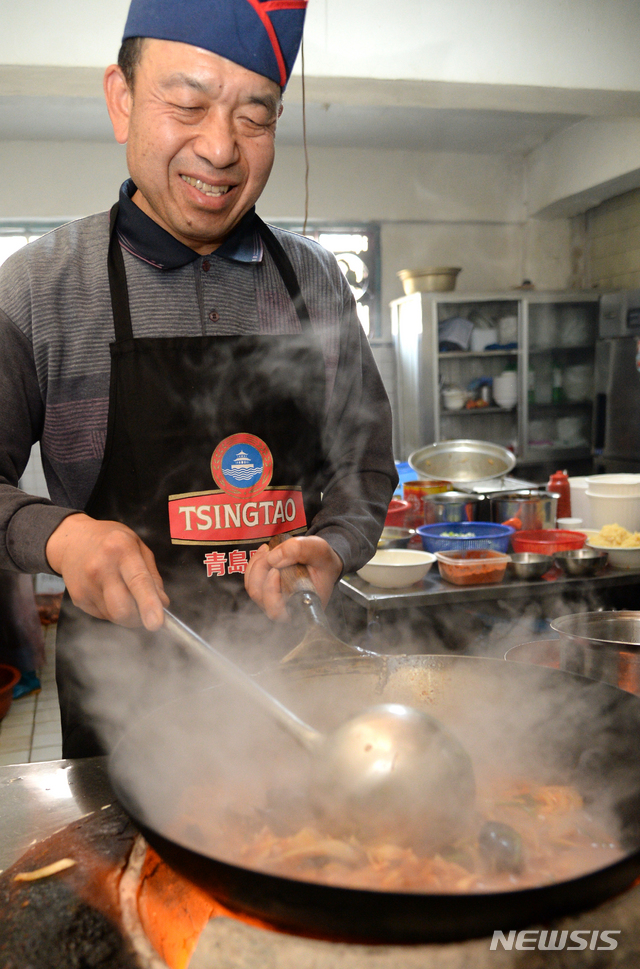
(55, 329)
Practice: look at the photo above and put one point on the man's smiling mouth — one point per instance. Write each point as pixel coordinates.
(204, 187)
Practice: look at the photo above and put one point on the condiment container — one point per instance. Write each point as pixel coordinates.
(559, 485)
(415, 492)
(478, 566)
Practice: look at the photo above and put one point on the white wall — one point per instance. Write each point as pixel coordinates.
(580, 167)
(435, 209)
(579, 44)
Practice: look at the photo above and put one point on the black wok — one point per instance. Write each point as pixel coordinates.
(179, 769)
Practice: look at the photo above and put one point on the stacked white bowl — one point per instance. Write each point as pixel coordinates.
(505, 389)
(614, 499)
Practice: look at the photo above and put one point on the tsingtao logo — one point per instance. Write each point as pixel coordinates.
(548, 940)
(242, 465)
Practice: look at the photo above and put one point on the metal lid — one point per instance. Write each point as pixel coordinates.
(462, 460)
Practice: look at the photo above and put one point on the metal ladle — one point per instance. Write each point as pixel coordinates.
(392, 773)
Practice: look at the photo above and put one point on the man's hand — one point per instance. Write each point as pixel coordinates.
(262, 578)
(108, 571)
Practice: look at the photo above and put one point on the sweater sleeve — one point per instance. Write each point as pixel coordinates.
(26, 521)
(360, 474)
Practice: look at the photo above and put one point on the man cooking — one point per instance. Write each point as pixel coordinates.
(199, 382)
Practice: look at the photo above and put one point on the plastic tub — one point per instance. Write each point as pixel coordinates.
(9, 676)
(622, 510)
(477, 566)
(463, 536)
(613, 485)
(547, 541)
(397, 513)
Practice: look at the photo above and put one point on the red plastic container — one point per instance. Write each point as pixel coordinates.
(547, 541)
(9, 676)
(397, 513)
(477, 566)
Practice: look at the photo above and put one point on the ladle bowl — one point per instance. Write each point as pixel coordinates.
(391, 773)
(394, 774)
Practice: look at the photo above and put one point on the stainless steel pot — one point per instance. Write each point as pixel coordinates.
(450, 506)
(604, 646)
(532, 509)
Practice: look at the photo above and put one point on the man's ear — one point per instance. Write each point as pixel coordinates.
(118, 98)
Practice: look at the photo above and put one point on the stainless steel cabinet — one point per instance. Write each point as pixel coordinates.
(553, 359)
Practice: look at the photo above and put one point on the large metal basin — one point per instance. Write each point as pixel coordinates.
(462, 460)
(604, 646)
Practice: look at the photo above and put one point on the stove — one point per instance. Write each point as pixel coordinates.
(68, 807)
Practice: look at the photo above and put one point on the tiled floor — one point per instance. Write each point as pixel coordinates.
(30, 732)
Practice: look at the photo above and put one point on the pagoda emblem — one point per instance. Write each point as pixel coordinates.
(241, 468)
(242, 465)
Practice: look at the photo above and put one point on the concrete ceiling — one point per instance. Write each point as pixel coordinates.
(396, 127)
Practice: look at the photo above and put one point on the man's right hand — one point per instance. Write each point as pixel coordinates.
(108, 571)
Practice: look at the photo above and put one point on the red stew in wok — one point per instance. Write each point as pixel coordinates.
(524, 835)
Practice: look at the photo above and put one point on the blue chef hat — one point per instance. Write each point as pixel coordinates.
(261, 35)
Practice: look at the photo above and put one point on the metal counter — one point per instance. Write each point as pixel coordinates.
(36, 800)
(434, 591)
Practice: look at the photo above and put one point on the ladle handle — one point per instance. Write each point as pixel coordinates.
(303, 733)
(293, 578)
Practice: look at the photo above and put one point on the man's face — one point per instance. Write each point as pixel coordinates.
(200, 134)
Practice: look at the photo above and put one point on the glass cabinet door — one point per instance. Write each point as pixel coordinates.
(558, 407)
(478, 386)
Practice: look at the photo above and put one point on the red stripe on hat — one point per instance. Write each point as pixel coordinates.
(261, 10)
(284, 4)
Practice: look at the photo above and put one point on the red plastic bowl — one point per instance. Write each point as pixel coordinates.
(547, 541)
(9, 676)
(397, 512)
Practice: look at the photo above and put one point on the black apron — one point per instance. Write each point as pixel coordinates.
(213, 446)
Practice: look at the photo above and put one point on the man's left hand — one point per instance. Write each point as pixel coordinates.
(262, 578)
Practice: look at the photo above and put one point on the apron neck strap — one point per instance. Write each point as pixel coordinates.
(287, 272)
(118, 283)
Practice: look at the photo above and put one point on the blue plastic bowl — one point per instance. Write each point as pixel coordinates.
(446, 536)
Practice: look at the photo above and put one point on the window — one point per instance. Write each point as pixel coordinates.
(14, 236)
(357, 249)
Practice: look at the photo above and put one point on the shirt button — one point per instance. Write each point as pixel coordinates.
(214, 316)
(206, 266)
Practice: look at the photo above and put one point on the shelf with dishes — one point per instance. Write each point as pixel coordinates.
(489, 409)
(465, 354)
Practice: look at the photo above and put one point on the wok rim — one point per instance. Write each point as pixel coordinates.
(361, 915)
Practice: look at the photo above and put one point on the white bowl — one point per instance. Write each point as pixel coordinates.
(614, 484)
(505, 400)
(508, 381)
(619, 558)
(624, 510)
(453, 398)
(481, 338)
(395, 568)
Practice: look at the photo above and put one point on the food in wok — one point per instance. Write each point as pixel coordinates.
(523, 835)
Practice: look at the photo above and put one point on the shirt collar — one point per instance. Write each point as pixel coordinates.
(144, 238)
